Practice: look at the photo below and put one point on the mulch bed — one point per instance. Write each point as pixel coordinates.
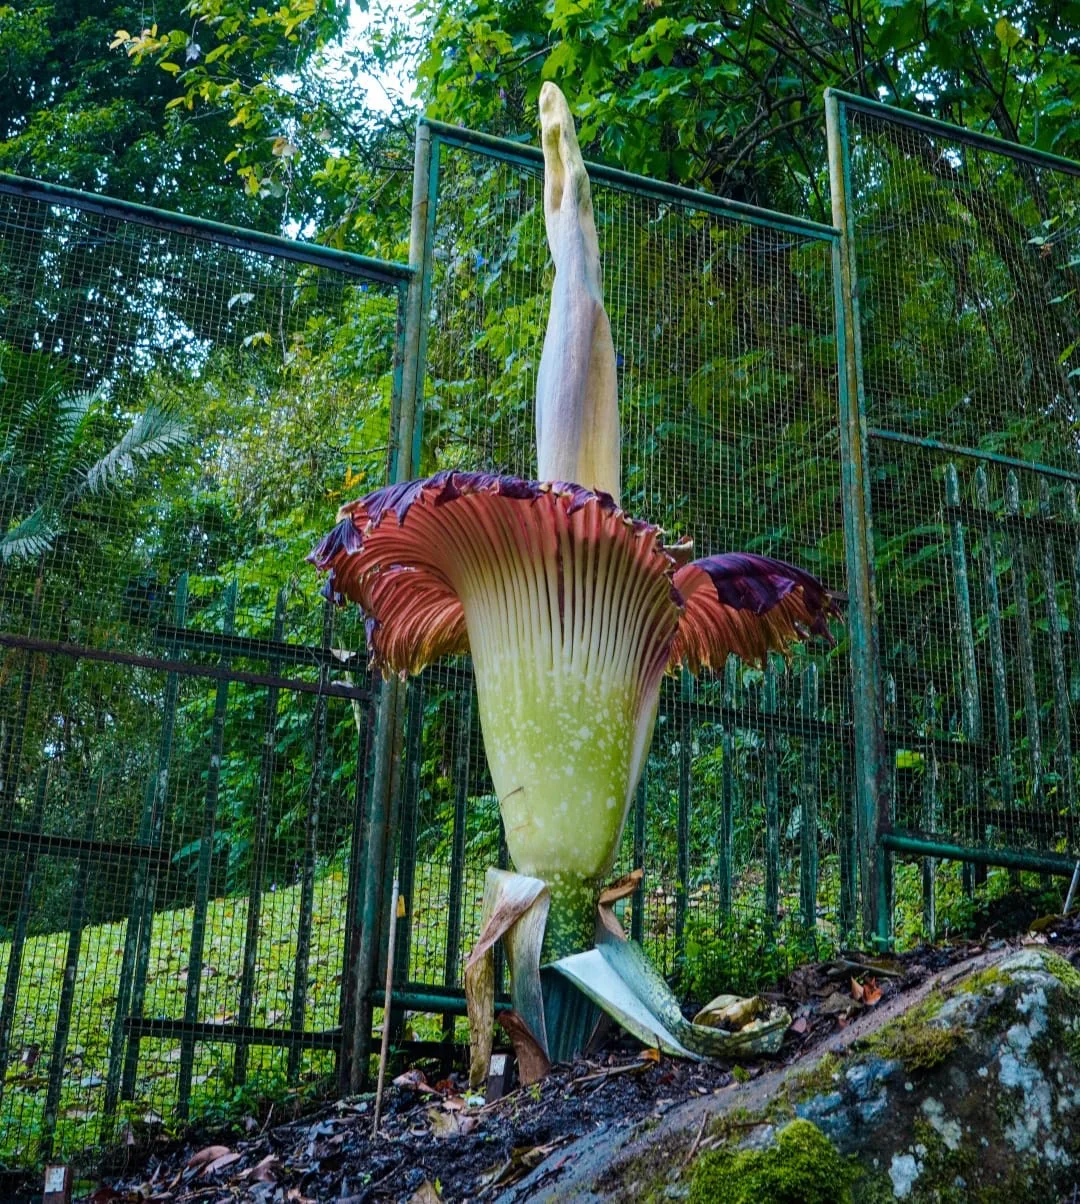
(436, 1142)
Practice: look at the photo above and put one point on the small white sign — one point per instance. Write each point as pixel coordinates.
(498, 1065)
(54, 1178)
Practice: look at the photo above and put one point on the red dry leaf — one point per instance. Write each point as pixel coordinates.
(219, 1164)
(207, 1154)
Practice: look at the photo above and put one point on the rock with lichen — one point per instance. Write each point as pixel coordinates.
(973, 1095)
(969, 1095)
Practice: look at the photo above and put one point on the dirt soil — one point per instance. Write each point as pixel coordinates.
(435, 1142)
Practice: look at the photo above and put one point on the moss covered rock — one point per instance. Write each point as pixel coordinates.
(803, 1167)
(972, 1095)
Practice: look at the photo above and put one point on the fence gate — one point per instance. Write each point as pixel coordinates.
(724, 323)
(201, 792)
(963, 254)
(182, 750)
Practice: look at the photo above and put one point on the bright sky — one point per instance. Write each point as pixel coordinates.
(381, 89)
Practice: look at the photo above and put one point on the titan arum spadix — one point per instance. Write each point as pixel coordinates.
(571, 610)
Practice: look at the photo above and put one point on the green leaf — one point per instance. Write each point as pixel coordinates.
(558, 60)
(153, 433)
(1007, 33)
(32, 537)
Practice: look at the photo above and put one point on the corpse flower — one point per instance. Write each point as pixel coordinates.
(572, 612)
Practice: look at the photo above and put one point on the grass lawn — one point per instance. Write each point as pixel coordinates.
(81, 1121)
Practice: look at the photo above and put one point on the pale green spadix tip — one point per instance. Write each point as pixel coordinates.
(577, 412)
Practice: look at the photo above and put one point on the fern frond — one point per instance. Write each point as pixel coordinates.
(31, 537)
(153, 433)
(72, 409)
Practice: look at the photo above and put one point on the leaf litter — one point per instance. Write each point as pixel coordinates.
(437, 1141)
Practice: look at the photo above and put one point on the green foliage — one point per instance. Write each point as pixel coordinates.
(740, 953)
(215, 1094)
(52, 457)
(802, 1168)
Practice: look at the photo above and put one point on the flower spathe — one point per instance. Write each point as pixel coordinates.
(572, 611)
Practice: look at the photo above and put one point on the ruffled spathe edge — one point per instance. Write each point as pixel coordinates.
(393, 552)
(747, 604)
(402, 573)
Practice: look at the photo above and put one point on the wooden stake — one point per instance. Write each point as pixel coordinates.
(385, 1047)
(57, 1185)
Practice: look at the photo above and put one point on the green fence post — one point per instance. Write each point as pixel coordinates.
(843, 792)
(377, 850)
(405, 434)
(298, 1007)
(202, 877)
(258, 848)
(808, 819)
(22, 921)
(76, 922)
(870, 759)
(1062, 710)
(997, 643)
(1072, 513)
(455, 902)
(929, 812)
(970, 709)
(362, 788)
(412, 762)
(131, 988)
(1024, 630)
(772, 799)
(727, 788)
(682, 819)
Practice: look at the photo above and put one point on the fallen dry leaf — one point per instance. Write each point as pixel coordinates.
(219, 1164)
(798, 1025)
(265, 1171)
(414, 1080)
(867, 992)
(449, 1123)
(425, 1194)
(650, 1055)
(207, 1154)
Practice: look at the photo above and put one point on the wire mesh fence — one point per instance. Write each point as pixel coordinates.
(182, 748)
(966, 253)
(726, 349)
(188, 736)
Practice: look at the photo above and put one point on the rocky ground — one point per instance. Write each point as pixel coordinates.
(876, 1056)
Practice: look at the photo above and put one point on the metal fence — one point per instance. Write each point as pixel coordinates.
(963, 253)
(724, 325)
(181, 747)
(202, 793)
